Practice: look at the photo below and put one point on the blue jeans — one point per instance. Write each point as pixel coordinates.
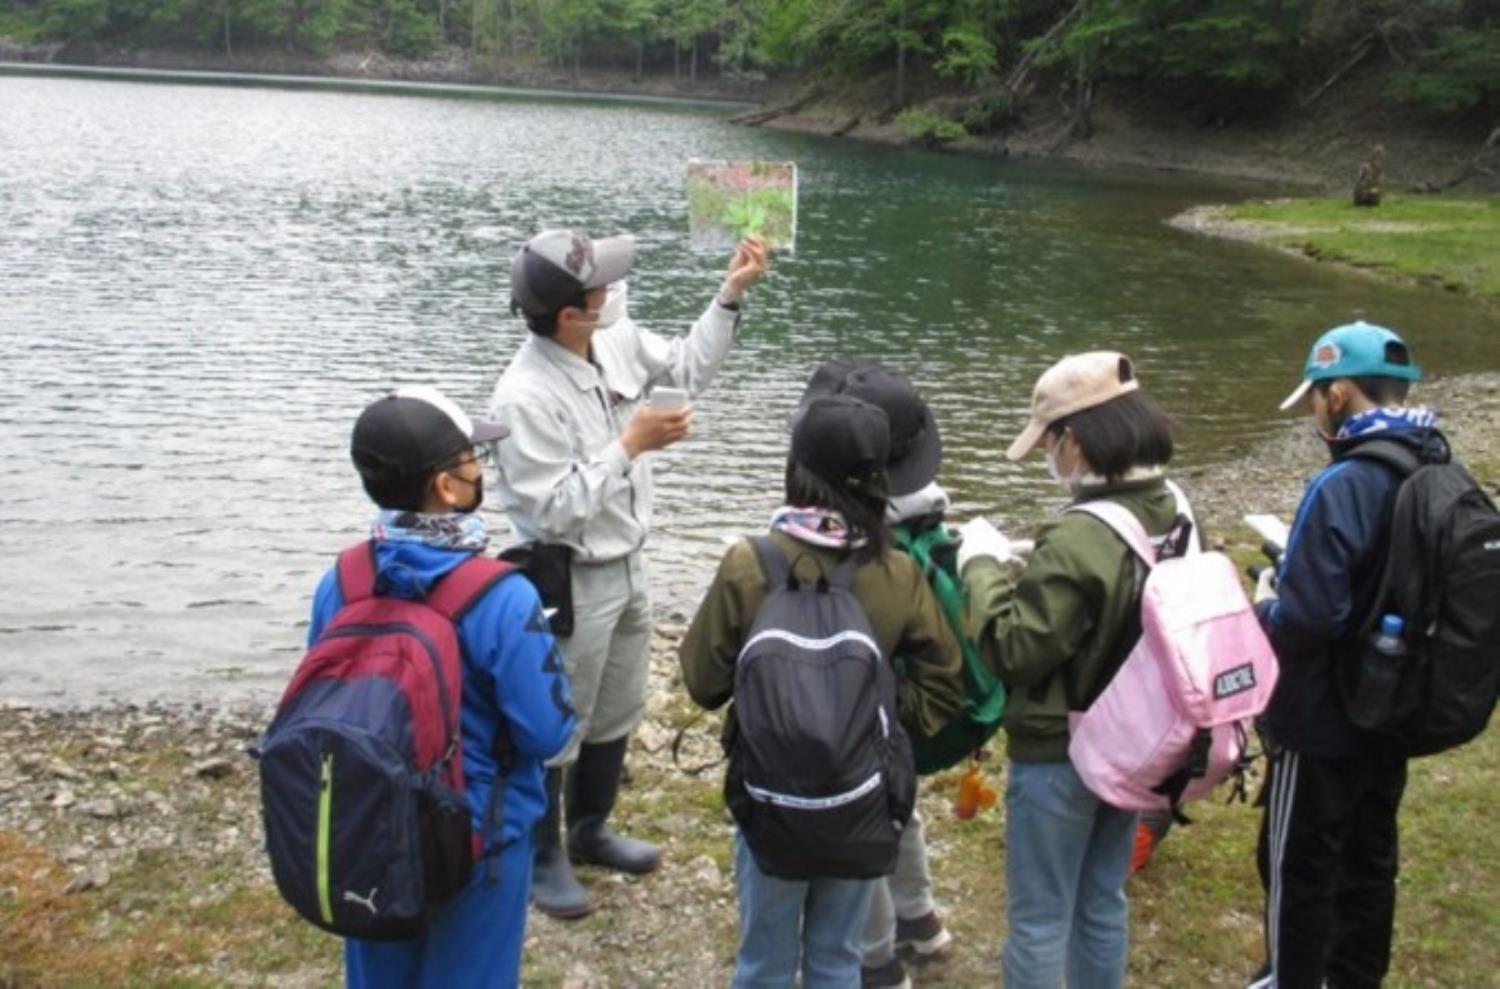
(787, 924)
(1067, 856)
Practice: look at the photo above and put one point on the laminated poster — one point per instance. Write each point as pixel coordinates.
(729, 200)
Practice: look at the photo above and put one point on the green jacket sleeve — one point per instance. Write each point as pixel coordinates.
(711, 645)
(1029, 626)
(931, 693)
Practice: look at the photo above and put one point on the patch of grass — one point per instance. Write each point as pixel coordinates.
(1452, 242)
(147, 928)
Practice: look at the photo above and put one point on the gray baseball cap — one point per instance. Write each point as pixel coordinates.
(556, 265)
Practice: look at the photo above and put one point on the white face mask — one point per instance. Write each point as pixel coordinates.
(614, 306)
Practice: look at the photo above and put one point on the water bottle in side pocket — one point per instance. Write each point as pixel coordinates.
(1380, 668)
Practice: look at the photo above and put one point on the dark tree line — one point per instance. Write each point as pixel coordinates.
(1440, 55)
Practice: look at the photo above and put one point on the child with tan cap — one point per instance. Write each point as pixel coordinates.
(1055, 631)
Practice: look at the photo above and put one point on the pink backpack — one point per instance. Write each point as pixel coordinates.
(1175, 721)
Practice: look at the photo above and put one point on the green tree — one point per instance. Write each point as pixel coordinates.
(74, 19)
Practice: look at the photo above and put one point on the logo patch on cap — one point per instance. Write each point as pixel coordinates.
(581, 254)
(1326, 355)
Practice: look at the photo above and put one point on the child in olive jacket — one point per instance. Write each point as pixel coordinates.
(1055, 633)
(836, 503)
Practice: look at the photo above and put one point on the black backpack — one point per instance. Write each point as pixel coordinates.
(820, 776)
(1442, 576)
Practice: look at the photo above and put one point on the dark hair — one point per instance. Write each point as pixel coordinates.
(864, 514)
(1376, 388)
(546, 324)
(403, 492)
(1125, 432)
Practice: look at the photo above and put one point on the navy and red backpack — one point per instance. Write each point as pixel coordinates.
(361, 771)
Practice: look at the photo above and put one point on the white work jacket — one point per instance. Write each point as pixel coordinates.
(564, 474)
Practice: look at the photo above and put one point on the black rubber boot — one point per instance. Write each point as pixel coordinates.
(593, 784)
(555, 891)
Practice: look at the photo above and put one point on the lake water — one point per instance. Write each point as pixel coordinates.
(201, 287)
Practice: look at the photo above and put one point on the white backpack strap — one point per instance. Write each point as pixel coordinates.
(1195, 543)
(1125, 525)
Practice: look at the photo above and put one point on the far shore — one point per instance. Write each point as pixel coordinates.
(1304, 154)
(1446, 241)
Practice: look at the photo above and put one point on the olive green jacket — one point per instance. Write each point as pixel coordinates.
(1060, 625)
(903, 613)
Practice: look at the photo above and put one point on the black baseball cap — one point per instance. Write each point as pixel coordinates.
(844, 441)
(556, 265)
(411, 431)
(916, 448)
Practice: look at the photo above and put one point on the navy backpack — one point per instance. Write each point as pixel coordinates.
(361, 771)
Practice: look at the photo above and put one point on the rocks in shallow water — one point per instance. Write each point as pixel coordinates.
(63, 799)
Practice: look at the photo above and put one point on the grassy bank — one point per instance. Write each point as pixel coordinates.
(1454, 243)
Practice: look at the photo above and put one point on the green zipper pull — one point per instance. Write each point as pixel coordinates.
(325, 814)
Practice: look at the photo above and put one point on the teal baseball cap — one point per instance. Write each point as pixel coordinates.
(1355, 350)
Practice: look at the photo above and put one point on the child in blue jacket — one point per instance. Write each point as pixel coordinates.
(1328, 854)
(419, 458)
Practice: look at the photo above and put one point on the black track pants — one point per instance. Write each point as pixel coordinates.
(1328, 859)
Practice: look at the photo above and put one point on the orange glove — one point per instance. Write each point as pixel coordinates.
(973, 794)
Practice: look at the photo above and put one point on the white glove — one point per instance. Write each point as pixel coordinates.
(1265, 585)
(979, 538)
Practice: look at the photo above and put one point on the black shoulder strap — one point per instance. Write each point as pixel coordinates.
(1405, 462)
(1395, 455)
(773, 562)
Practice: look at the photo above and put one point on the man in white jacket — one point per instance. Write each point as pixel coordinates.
(573, 479)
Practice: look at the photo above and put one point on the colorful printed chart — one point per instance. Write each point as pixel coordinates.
(729, 200)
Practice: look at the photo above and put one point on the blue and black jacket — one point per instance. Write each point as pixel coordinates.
(1327, 582)
(512, 676)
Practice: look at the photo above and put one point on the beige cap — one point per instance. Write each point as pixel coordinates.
(1075, 383)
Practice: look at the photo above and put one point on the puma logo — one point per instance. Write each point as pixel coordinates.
(368, 902)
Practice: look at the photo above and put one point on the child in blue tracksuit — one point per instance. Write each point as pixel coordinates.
(1328, 854)
(419, 458)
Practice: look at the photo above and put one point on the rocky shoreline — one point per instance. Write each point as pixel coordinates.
(97, 797)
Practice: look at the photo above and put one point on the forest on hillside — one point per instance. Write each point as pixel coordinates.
(1441, 57)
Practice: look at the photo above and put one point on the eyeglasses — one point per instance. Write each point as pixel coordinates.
(482, 454)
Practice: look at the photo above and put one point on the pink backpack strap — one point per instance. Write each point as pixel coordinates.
(356, 572)
(1125, 525)
(463, 586)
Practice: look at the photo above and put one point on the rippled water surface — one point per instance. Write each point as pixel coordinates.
(200, 288)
